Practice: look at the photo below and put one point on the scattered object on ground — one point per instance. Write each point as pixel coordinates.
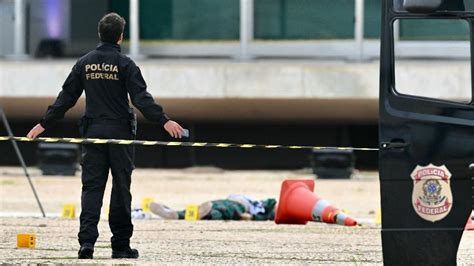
(378, 216)
(192, 212)
(146, 203)
(69, 211)
(298, 205)
(470, 224)
(106, 213)
(25, 240)
(139, 214)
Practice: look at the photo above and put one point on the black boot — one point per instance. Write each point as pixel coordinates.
(86, 251)
(128, 253)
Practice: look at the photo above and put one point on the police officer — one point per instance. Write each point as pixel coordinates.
(107, 77)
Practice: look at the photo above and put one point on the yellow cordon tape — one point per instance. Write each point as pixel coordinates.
(177, 143)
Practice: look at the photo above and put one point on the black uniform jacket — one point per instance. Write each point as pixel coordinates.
(108, 77)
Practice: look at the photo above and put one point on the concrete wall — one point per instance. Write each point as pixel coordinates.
(259, 90)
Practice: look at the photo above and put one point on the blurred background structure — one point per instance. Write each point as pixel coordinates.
(299, 72)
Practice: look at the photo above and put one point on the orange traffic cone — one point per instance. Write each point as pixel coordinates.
(470, 224)
(298, 205)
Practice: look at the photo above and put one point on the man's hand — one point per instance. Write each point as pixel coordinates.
(35, 132)
(174, 129)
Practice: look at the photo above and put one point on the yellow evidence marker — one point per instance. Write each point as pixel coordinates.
(378, 216)
(346, 211)
(26, 241)
(146, 204)
(192, 213)
(106, 213)
(69, 211)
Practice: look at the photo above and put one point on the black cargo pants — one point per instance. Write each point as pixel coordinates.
(96, 161)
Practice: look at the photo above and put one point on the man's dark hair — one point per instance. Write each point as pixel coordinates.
(110, 27)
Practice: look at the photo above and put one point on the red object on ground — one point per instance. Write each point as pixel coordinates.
(470, 224)
(298, 205)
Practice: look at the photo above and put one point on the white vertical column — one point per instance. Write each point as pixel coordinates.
(134, 29)
(19, 31)
(359, 29)
(246, 28)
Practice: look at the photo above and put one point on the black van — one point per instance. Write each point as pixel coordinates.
(426, 152)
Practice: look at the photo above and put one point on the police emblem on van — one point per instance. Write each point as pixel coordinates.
(432, 198)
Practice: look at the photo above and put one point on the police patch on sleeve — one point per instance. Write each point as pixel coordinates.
(432, 198)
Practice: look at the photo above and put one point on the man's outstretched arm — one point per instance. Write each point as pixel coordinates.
(67, 98)
(136, 87)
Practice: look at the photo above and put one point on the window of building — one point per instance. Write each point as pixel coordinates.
(185, 19)
(304, 19)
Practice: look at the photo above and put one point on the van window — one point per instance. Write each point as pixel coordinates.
(447, 74)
